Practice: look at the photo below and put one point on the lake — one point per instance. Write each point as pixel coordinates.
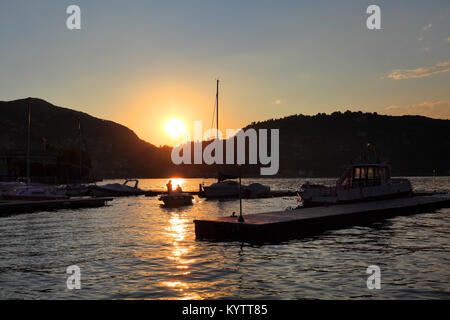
(136, 249)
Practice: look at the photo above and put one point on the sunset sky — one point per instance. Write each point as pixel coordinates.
(142, 62)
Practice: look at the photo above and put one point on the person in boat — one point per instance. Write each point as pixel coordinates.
(178, 189)
(169, 186)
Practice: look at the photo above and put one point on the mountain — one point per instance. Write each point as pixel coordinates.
(322, 145)
(115, 150)
(319, 145)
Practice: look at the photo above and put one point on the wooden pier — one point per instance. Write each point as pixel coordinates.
(16, 207)
(304, 222)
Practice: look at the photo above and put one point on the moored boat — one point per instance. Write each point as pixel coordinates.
(33, 194)
(222, 189)
(117, 189)
(6, 186)
(363, 180)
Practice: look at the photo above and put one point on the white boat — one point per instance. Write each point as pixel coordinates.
(176, 199)
(117, 189)
(33, 194)
(361, 181)
(6, 186)
(256, 190)
(222, 189)
(230, 189)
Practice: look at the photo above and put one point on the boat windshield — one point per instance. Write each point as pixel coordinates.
(368, 175)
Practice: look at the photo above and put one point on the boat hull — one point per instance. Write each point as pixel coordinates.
(33, 198)
(173, 201)
(326, 202)
(103, 192)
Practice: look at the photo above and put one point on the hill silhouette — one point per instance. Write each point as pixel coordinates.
(322, 145)
(319, 145)
(115, 150)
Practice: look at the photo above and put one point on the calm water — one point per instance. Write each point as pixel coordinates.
(135, 249)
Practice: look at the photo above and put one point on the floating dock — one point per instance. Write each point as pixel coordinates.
(16, 207)
(304, 222)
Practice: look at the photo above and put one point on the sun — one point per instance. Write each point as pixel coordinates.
(175, 128)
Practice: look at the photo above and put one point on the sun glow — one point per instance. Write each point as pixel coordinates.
(175, 128)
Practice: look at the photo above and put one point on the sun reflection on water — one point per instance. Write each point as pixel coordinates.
(179, 251)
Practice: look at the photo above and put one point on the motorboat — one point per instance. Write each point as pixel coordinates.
(222, 189)
(33, 194)
(230, 189)
(6, 186)
(117, 189)
(176, 199)
(363, 180)
(256, 190)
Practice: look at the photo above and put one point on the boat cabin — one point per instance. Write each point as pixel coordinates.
(365, 175)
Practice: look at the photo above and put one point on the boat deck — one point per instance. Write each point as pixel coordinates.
(16, 207)
(278, 225)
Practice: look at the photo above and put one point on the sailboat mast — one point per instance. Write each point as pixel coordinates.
(217, 111)
(80, 146)
(28, 141)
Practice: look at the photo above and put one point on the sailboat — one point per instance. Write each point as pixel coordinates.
(29, 191)
(226, 186)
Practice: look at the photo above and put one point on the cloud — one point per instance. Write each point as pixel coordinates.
(399, 74)
(437, 109)
(428, 26)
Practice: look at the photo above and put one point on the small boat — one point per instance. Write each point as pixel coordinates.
(117, 189)
(230, 189)
(6, 186)
(222, 189)
(363, 180)
(256, 190)
(176, 199)
(33, 194)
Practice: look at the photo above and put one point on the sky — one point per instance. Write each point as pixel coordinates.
(142, 62)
